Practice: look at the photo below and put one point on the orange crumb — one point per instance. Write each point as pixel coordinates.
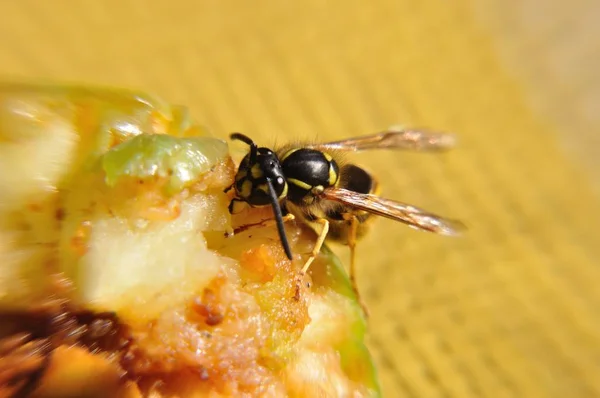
(261, 261)
(79, 241)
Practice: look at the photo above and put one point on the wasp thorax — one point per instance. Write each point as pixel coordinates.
(251, 179)
(308, 172)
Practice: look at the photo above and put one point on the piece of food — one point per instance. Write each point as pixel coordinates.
(117, 277)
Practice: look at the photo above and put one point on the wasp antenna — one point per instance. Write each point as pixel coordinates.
(242, 137)
(247, 140)
(279, 219)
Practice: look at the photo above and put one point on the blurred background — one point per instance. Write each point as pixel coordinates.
(509, 310)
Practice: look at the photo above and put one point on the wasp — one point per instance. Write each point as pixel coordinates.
(314, 184)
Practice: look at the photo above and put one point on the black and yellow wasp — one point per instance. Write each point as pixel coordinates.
(313, 183)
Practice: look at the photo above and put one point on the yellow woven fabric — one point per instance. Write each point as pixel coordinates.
(511, 309)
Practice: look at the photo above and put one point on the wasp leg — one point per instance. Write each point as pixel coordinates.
(263, 223)
(352, 245)
(318, 245)
(314, 253)
(236, 205)
(229, 188)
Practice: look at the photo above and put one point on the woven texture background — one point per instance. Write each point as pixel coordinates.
(509, 310)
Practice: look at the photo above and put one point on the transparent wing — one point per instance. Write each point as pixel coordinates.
(395, 138)
(407, 214)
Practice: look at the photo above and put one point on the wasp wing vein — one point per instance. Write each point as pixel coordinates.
(405, 213)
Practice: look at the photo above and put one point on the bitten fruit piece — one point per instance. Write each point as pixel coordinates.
(116, 275)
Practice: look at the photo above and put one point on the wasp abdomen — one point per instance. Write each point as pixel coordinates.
(357, 179)
(307, 169)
